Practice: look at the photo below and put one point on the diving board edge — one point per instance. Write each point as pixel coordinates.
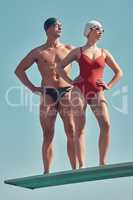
(74, 176)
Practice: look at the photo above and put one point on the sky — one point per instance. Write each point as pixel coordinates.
(21, 24)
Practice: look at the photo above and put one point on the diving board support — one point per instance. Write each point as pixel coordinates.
(74, 176)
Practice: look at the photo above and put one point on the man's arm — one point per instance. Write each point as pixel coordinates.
(23, 66)
(69, 47)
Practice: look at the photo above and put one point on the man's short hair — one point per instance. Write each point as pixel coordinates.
(49, 22)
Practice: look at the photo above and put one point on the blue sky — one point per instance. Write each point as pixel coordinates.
(21, 136)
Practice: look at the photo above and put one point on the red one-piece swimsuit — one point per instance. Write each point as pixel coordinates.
(90, 71)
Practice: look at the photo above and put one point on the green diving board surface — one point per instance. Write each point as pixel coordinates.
(74, 176)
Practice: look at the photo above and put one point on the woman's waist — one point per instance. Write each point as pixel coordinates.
(90, 79)
(91, 76)
(88, 85)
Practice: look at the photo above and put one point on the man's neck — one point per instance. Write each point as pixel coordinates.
(53, 42)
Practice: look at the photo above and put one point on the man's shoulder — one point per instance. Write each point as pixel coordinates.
(69, 46)
(72, 48)
(37, 50)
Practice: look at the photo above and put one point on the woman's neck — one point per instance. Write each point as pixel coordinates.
(91, 44)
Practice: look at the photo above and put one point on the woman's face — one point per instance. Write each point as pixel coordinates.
(96, 33)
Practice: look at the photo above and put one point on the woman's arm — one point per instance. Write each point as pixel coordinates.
(110, 61)
(66, 61)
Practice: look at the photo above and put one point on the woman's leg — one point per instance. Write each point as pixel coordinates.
(100, 110)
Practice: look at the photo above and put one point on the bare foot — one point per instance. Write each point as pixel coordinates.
(45, 173)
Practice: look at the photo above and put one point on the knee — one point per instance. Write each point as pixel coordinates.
(48, 134)
(69, 129)
(79, 131)
(79, 126)
(105, 125)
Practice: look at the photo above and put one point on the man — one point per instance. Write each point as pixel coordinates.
(56, 93)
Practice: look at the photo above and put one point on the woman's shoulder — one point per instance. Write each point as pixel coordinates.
(106, 51)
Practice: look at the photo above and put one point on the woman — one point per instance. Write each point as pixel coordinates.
(92, 60)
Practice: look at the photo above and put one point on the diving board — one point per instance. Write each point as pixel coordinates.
(74, 176)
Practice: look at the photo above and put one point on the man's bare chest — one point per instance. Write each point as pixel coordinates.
(53, 56)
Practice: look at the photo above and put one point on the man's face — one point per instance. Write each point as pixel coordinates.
(56, 29)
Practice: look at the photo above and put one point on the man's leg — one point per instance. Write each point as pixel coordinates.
(48, 113)
(79, 107)
(65, 111)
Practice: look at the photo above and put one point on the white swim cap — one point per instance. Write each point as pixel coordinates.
(91, 24)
